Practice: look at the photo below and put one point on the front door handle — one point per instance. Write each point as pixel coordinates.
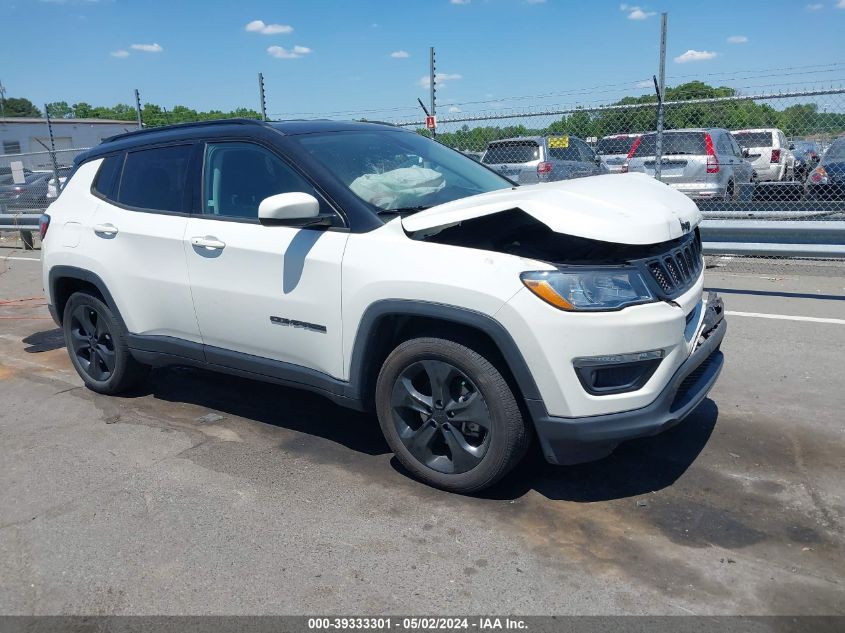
(105, 229)
(209, 242)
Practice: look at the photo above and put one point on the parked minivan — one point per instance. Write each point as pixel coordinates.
(703, 163)
(769, 153)
(533, 159)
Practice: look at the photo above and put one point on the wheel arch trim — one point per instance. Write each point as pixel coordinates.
(59, 273)
(365, 338)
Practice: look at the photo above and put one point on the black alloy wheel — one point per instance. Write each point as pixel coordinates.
(441, 416)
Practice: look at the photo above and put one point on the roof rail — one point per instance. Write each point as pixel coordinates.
(180, 126)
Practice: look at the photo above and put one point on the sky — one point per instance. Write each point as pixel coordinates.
(370, 57)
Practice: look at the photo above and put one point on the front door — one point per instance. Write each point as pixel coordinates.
(271, 292)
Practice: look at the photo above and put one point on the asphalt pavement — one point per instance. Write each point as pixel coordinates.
(204, 493)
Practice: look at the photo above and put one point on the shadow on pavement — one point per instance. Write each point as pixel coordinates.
(634, 468)
(292, 409)
(44, 341)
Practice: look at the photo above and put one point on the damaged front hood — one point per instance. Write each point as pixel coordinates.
(619, 208)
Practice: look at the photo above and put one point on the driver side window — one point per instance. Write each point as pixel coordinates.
(238, 176)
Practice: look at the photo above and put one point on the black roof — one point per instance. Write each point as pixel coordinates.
(188, 131)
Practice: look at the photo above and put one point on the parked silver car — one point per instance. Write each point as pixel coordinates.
(768, 152)
(614, 150)
(703, 163)
(533, 159)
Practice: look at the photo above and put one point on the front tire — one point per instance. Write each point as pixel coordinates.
(96, 343)
(449, 415)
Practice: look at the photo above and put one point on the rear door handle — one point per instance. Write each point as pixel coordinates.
(209, 241)
(105, 229)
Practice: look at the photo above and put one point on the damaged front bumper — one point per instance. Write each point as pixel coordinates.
(576, 440)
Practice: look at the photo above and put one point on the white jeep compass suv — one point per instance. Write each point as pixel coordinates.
(389, 273)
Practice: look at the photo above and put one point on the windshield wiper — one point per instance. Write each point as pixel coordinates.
(402, 210)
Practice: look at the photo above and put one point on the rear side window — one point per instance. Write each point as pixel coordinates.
(105, 182)
(753, 139)
(615, 145)
(674, 144)
(570, 152)
(511, 152)
(156, 179)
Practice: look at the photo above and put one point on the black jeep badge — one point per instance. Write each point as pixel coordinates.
(685, 226)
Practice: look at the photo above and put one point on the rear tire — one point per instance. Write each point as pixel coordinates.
(97, 345)
(449, 415)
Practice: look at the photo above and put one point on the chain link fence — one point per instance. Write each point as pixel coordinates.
(29, 183)
(747, 160)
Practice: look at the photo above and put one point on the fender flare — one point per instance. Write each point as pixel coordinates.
(58, 273)
(365, 338)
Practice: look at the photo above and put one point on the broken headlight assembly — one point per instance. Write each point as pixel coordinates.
(587, 289)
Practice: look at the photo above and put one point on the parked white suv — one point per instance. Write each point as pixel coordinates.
(389, 273)
(769, 152)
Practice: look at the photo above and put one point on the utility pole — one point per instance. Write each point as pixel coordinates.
(262, 102)
(661, 91)
(432, 76)
(138, 108)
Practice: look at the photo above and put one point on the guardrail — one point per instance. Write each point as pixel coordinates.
(760, 238)
(783, 238)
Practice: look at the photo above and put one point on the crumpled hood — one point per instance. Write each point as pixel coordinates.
(619, 208)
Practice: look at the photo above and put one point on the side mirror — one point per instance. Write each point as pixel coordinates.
(745, 152)
(290, 209)
(792, 146)
(598, 160)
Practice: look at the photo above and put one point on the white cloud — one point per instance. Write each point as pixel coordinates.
(454, 109)
(840, 4)
(400, 54)
(694, 56)
(147, 48)
(644, 84)
(737, 39)
(638, 14)
(459, 1)
(815, 6)
(258, 26)
(635, 12)
(282, 53)
(440, 79)
(120, 54)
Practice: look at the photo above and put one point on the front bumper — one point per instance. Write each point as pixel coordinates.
(576, 440)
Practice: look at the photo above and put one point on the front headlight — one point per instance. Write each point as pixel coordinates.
(585, 289)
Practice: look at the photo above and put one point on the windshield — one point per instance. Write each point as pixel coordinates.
(835, 153)
(400, 170)
(511, 152)
(616, 145)
(674, 143)
(753, 139)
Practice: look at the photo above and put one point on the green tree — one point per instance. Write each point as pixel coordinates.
(20, 106)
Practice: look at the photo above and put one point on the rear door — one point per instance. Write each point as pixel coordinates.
(567, 158)
(136, 231)
(266, 291)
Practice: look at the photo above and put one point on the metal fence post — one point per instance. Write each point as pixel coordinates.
(52, 150)
(138, 108)
(261, 100)
(432, 75)
(661, 91)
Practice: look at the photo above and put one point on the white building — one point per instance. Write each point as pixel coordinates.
(21, 135)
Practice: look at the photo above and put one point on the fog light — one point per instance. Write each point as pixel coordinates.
(616, 373)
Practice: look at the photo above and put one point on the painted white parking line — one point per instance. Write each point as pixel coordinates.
(20, 259)
(785, 317)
